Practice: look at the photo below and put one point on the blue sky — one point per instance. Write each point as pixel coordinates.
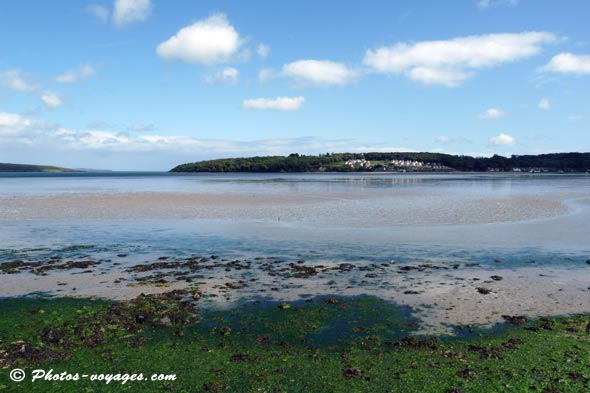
(148, 84)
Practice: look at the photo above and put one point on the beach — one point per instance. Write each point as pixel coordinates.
(398, 259)
(419, 240)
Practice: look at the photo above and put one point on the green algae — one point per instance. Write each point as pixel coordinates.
(328, 344)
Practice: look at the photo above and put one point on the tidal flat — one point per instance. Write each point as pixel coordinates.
(298, 282)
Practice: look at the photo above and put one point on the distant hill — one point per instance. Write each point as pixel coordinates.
(32, 168)
(395, 162)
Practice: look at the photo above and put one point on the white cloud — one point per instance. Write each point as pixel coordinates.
(72, 76)
(128, 11)
(228, 75)
(15, 80)
(11, 124)
(429, 75)
(99, 11)
(263, 51)
(501, 140)
(51, 99)
(443, 139)
(152, 144)
(208, 41)
(496, 3)
(492, 113)
(544, 104)
(453, 61)
(91, 148)
(279, 103)
(319, 72)
(569, 63)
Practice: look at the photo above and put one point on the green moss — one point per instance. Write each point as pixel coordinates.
(337, 345)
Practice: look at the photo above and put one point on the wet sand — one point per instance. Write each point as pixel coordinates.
(364, 209)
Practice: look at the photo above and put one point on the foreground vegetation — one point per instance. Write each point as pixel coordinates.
(321, 345)
(335, 162)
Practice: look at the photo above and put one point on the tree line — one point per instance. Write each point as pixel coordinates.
(334, 162)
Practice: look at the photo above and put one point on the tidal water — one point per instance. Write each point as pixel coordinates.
(457, 248)
(348, 216)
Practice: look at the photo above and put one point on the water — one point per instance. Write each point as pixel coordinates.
(532, 230)
(298, 211)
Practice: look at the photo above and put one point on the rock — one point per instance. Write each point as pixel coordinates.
(515, 319)
(225, 330)
(350, 372)
(484, 291)
(413, 342)
(345, 267)
(241, 358)
(496, 278)
(513, 343)
(233, 285)
(467, 373)
(211, 387)
(166, 321)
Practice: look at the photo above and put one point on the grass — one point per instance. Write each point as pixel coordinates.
(356, 344)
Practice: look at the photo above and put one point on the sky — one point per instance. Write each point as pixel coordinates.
(150, 84)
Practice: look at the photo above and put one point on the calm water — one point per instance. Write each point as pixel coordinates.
(317, 215)
(429, 242)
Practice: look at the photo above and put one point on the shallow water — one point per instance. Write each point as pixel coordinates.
(532, 228)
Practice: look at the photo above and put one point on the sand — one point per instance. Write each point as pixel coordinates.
(362, 208)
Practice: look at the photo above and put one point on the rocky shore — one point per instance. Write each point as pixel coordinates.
(442, 294)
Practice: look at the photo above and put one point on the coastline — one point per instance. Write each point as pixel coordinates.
(360, 282)
(442, 293)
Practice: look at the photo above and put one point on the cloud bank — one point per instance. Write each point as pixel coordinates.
(450, 62)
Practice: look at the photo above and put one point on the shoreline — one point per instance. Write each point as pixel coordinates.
(442, 294)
